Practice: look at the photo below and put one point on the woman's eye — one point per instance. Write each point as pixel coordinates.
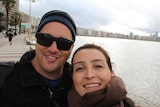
(79, 68)
(99, 66)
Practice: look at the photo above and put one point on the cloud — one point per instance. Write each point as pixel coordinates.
(121, 16)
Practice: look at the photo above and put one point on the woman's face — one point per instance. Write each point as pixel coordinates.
(90, 71)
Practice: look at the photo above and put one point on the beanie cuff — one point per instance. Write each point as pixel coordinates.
(58, 18)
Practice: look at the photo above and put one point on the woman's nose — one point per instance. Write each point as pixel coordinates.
(90, 73)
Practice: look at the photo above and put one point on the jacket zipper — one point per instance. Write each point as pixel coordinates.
(50, 92)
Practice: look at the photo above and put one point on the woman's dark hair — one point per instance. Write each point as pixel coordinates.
(93, 46)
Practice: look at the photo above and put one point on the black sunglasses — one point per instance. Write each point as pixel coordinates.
(46, 40)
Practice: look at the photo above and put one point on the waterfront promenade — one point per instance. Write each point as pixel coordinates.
(137, 62)
(16, 50)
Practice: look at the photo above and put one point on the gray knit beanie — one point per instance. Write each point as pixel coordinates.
(58, 16)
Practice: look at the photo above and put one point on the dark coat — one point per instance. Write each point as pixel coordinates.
(25, 88)
(10, 36)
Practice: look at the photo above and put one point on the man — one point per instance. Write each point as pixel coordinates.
(41, 78)
(10, 36)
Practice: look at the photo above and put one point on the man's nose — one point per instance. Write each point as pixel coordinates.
(53, 47)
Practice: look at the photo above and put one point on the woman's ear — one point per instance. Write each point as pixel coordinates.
(112, 73)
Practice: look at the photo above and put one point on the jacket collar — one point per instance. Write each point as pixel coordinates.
(30, 77)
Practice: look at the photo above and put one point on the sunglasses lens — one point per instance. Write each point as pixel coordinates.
(63, 44)
(47, 40)
(44, 39)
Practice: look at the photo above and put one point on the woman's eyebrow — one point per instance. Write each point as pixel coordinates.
(99, 60)
(79, 62)
(94, 60)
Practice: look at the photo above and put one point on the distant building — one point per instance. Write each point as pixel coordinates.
(3, 10)
(156, 34)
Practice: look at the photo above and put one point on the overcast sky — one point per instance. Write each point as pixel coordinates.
(141, 17)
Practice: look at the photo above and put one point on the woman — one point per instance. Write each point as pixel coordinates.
(94, 82)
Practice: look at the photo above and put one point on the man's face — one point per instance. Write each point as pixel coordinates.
(49, 60)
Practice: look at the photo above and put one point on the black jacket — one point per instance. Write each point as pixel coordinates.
(25, 88)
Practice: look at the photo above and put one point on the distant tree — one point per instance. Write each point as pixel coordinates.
(8, 4)
(16, 19)
(1, 15)
(1, 27)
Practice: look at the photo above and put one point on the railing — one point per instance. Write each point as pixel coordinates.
(31, 40)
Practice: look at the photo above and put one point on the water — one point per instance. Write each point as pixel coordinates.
(137, 62)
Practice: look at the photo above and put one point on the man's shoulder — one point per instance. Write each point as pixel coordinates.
(128, 102)
(29, 55)
(67, 68)
(6, 68)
